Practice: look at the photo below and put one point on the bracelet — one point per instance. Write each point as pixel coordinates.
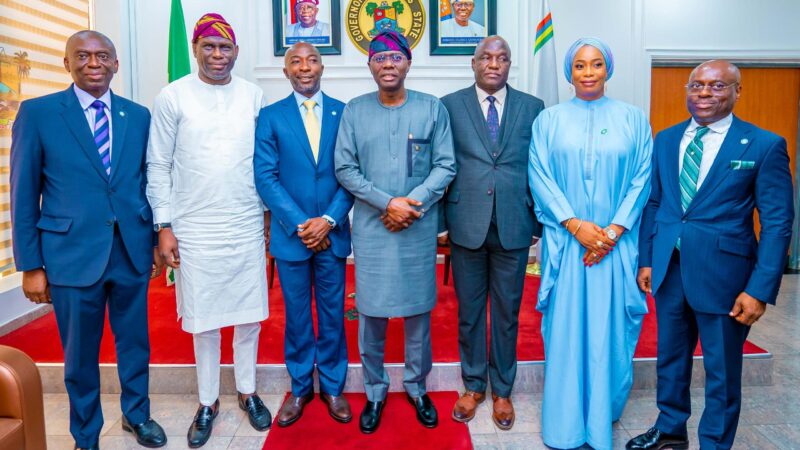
(577, 229)
(566, 225)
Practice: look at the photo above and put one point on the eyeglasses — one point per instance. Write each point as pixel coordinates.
(396, 58)
(717, 87)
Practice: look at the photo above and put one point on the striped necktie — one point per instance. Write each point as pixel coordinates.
(312, 128)
(690, 172)
(101, 134)
(493, 120)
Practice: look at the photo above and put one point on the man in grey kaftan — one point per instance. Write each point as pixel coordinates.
(394, 148)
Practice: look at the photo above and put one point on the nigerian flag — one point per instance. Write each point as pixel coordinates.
(545, 72)
(178, 58)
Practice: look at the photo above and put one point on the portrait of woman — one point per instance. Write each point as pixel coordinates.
(589, 173)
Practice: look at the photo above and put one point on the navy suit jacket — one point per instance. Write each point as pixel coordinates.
(54, 157)
(294, 186)
(720, 256)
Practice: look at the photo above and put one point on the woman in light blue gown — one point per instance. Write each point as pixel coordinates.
(589, 173)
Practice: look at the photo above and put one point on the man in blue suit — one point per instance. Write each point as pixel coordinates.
(82, 231)
(699, 255)
(310, 230)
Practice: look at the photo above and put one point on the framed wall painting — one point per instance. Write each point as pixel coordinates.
(460, 25)
(317, 22)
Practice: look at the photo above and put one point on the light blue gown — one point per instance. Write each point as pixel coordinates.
(589, 160)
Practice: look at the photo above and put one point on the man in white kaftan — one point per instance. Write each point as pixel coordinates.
(209, 216)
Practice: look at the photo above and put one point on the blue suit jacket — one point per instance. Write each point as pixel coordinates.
(720, 256)
(54, 157)
(293, 186)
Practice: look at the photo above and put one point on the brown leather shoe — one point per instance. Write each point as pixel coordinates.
(503, 412)
(466, 405)
(338, 407)
(292, 409)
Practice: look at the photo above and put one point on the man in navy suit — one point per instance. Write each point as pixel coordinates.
(310, 230)
(699, 255)
(88, 245)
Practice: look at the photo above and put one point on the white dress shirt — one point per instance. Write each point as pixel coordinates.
(499, 102)
(86, 99)
(712, 141)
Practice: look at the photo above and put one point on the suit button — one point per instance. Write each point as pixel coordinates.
(489, 192)
(494, 155)
(495, 167)
(109, 222)
(684, 221)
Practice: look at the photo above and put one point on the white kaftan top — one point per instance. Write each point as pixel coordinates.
(200, 178)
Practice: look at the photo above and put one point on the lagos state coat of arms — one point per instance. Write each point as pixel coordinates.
(366, 18)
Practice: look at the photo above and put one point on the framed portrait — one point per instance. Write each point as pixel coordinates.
(461, 24)
(317, 22)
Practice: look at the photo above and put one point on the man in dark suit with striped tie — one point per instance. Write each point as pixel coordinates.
(82, 231)
(491, 225)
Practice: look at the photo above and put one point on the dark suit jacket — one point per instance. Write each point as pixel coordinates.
(487, 173)
(292, 185)
(720, 256)
(54, 157)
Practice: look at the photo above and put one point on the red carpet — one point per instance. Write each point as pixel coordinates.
(399, 427)
(171, 345)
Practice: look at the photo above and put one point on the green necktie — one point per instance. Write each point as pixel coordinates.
(690, 171)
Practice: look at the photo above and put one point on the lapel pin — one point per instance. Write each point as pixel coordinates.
(333, 113)
(604, 131)
(122, 113)
(744, 141)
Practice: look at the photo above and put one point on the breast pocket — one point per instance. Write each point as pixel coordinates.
(419, 157)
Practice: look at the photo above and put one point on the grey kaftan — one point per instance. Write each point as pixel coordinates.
(384, 152)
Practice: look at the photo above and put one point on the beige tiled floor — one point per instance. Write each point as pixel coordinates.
(770, 415)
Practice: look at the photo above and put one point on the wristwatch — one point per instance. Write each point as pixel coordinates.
(160, 226)
(611, 233)
(330, 221)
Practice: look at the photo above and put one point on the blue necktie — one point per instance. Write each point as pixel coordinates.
(493, 120)
(101, 134)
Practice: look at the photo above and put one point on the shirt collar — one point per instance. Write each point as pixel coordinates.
(721, 126)
(300, 98)
(499, 96)
(86, 99)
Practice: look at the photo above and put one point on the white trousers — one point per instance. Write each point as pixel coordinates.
(207, 356)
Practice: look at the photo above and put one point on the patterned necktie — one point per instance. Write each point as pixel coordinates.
(691, 167)
(312, 127)
(493, 120)
(101, 134)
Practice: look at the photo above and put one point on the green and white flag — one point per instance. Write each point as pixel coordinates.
(178, 56)
(545, 71)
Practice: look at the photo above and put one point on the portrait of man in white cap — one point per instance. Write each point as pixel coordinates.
(306, 26)
(461, 26)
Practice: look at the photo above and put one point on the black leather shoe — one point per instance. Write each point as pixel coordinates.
(258, 414)
(94, 447)
(203, 422)
(148, 433)
(371, 416)
(654, 439)
(426, 412)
